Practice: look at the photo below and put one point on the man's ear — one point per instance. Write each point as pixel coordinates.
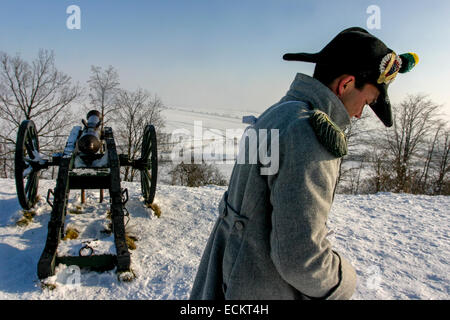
(345, 83)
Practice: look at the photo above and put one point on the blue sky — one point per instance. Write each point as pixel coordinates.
(223, 54)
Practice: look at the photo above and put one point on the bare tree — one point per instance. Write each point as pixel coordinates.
(103, 87)
(381, 177)
(413, 122)
(4, 163)
(412, 156)
(134, 111)
(422, 185)
(34, 91)
(442, 185)
(349, 175)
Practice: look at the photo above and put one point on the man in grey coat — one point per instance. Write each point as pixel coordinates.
(270, 239)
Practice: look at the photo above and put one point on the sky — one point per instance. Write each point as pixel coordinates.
(218, 54)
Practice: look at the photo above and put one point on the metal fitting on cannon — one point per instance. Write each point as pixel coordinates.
(90, 140)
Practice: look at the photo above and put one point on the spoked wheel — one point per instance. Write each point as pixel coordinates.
(27, 151)
(149, 160)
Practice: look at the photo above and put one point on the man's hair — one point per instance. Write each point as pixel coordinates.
(327, 74)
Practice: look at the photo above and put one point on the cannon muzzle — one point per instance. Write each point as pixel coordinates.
(89, 141)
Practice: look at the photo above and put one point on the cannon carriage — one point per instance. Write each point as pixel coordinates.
(90, 149)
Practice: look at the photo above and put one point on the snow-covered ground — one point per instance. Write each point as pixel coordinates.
(398, 243)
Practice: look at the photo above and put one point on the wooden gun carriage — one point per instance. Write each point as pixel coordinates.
(90, 147)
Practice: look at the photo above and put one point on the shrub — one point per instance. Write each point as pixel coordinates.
(196, 175)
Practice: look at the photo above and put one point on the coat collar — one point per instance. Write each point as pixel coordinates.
(319, 96)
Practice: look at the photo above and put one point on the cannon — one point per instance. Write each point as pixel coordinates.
(89, 147)
(90, 140)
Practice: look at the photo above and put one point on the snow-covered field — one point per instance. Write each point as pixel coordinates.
(207, 132)
(398, 243)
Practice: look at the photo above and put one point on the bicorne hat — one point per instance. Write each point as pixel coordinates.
(357, 51)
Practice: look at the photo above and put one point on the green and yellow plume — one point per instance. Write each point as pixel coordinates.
(409, 61)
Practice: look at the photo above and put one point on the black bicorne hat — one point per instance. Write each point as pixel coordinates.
(358, 51)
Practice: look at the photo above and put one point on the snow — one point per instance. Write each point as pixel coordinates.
(403, 240)
(71, 141)
(398, 243)
(98, 246)
(215, 124)
(102, 162)
(27, 171)
(37, 157)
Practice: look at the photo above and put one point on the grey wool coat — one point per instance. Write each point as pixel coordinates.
(269, 241)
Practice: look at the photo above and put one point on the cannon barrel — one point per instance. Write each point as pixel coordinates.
(89, 141)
